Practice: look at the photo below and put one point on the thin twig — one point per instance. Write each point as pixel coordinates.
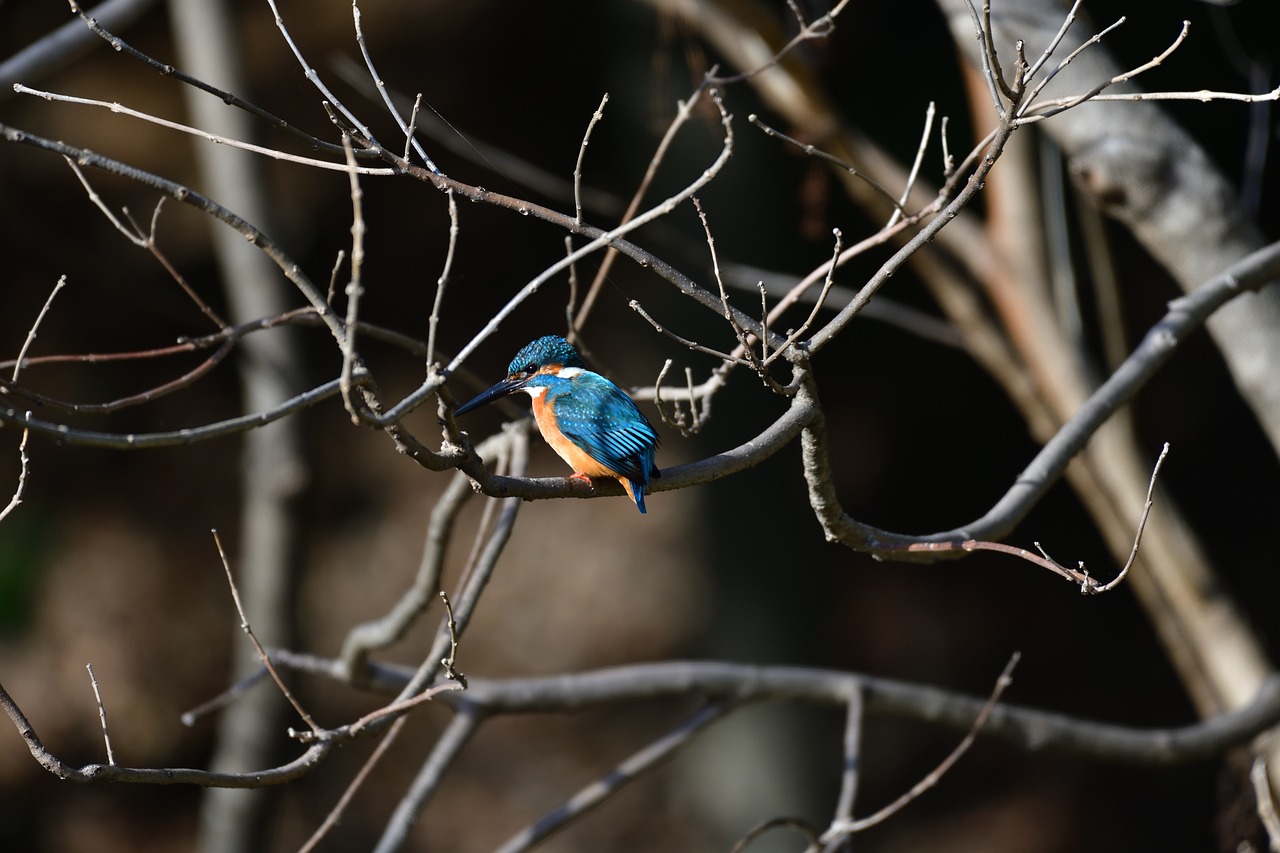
(948, 162)
(821, 28)
(987, 55)
(635, 306)
(853, 722)
(339, 808)
(815, 151)
(1079, 577)
(818, 303)
(223, 699)
(1052, 47)
(354, 290)
(1142, 524)
(925, 133)
(442, 282)
(609, 783)
(605, 239)
(262, 653)
(153, 246)
(450, 670)
(582, 155)
(102, 714)
(684, 109)
(405, 128)
(310, 73)
(799, 824)
(333, 276)
(845, 828)
(744, 345)
(1266, 806)
(24, 462)
(120, 45)
(397, 709)
(273, 153)
(446, 749)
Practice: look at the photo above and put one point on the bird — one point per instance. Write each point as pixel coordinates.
(590, 422)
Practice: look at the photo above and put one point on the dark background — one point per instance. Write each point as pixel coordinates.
(109, 559)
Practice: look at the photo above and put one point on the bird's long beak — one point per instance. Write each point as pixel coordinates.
(500, 389)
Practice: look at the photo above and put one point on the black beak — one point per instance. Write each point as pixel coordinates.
(501, 389)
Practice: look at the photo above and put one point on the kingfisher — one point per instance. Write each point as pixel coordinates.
(588, 420)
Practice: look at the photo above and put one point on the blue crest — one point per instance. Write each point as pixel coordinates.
(545, 351)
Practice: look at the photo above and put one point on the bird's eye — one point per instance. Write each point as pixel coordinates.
(530, 368)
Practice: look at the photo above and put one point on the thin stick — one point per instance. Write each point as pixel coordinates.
(152, 245)
(948, 161)
(102, 714)
(800, 825)
(817, 305)
(310, 73)
(987, 55)
(443, 281)
(1092, 40)
(814, 151)
(413, 125)
(582, 155)
(203, 134)
(132, 236)
(724, 295)
(223, 699)
(820, 28)
(448, 663)
(24, 462)
(446, 749)
(852, 754)
(845, 828)
(386, 96)
(1142, 524)
(605, 239)
(1266, 806)
(120, 45)
(572, 302)
(262, 653)
(608, 784)
(684, 109)
(915, 165)
(353, 290)
(1204, 96)
(333, 276)
(1056, 40)
(340, 807)
(634, 305)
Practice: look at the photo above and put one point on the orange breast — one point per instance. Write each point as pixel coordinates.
(577, 458)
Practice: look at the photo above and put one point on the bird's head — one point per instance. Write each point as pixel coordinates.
(547, 355)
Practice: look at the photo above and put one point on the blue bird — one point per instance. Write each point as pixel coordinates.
(588, 420)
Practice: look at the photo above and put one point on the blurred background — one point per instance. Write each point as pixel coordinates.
(109, 560)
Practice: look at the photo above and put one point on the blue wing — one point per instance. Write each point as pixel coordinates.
(599, 417)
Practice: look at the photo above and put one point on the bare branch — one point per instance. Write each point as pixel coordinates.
(102, 714)
(386, 97)
(1142, 524)
(582, 154)
(844, 829)
(273, 153)
(262, 653)
(608, 784)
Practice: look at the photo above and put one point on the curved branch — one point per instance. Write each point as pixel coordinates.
(299, 766)
(1025, 728)
(1186, 314)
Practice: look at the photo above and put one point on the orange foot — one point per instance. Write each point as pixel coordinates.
(578, 475)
